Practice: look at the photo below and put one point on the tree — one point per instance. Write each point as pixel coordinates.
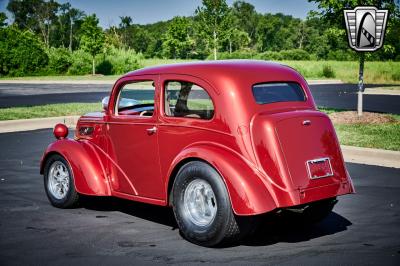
(277, 32)
(35, 15)
(236, 40)
(92, 39)
(3, 18)
(63, 21)
(46, 15)
(234, 37)
(24, 14)
(113, 38)
(247, 18)
(21, 52)
(176, 41)
(125, 26)
(67, 19)
(152, 46)
(75, 15)
(140, 39)
(212, 20)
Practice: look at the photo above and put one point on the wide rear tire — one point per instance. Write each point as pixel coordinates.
(202, 207)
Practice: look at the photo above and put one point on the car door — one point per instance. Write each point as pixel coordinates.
(186, 116)
(133, 145)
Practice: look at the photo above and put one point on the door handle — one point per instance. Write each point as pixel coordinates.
(152, 130)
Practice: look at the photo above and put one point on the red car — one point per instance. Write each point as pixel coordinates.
(220, 142)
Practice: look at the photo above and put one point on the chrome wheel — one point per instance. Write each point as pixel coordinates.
(200, 203)
(58, 180)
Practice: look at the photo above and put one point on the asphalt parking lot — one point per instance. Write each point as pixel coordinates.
(364, 228)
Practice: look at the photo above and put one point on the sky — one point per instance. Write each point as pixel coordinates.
(150, 11)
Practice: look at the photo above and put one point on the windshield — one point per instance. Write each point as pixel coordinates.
(265, 93)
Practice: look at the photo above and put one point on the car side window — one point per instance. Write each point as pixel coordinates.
(136, 98)
(186, 99)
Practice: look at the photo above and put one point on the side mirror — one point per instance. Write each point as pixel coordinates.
(104, 103)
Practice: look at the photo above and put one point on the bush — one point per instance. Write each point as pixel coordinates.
(81, 63)
(295, 54)
(270, 55)
(327, 71)
(60, 60)
(105, 67)
(119, 61)
(396, 76)
(21, 53)
(341, 55)
(234, 55)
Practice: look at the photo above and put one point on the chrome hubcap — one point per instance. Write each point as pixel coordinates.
(58, 180)
(200, 203)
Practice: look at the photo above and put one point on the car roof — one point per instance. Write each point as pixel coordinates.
(213, 70)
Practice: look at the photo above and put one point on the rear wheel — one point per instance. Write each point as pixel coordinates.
(59, 183)
(202, 206)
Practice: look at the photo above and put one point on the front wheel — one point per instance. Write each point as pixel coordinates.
(59, 183)
(202, 206)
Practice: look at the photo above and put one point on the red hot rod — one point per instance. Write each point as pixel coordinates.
(217, 141)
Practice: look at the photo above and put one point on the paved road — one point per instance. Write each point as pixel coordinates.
(344, 96)
(341, 96)
(38, 94)
(364, 228)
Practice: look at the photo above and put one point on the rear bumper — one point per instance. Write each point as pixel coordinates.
(324, 192)
(305, 196)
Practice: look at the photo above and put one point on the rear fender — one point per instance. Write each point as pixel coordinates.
(89, 173)
(248, 194)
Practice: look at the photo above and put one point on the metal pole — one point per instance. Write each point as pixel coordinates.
(360, 85)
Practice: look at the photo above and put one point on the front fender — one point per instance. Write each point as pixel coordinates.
(247, 192)
(89, 175)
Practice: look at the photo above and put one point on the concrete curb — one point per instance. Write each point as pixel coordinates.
(374, 91)
(324, 81)
(36, 123)
(371, 156)
(351, 154)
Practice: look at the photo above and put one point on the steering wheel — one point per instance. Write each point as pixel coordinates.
(142, 113)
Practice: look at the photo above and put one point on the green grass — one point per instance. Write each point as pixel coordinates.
(347, 71)
(330, 110)
(398, 118)
(48, 110)
(381, 136)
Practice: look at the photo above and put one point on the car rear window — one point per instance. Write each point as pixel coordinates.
(278, 92)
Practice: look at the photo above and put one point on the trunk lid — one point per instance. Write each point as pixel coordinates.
(306, 148)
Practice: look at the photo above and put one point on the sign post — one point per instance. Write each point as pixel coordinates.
(360, 85)
(365, 31)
